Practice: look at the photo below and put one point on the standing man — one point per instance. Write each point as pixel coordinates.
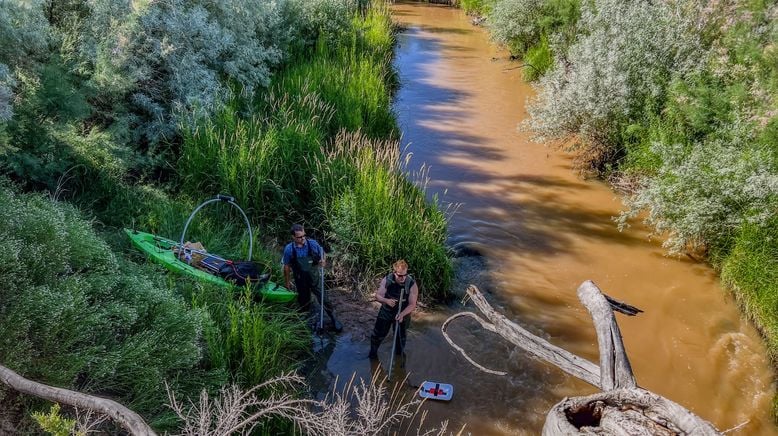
(302, 257)
(395, 284)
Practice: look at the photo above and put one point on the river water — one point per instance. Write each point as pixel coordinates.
(542, 230)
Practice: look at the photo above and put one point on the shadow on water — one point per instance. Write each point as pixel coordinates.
(423, 106)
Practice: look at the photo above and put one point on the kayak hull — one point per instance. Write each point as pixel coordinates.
(160, 250)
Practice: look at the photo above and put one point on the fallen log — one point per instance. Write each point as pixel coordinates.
(123, 416)
(623, 408)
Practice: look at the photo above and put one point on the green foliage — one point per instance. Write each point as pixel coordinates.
(515, 23)
(326, 19)
(752, 269)
(538, 60)
(7, 83)
(476, 7)
(35, 151)
(377, 216)
(24, 32)
(624, 56)
(75, 315)
(524, 25)
(260, 162)
(254, 341)
(55, 424)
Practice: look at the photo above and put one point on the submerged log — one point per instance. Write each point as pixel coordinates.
(623, 408)
(125, 417)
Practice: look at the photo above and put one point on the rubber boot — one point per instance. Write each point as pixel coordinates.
(336, 325)
(373, 351)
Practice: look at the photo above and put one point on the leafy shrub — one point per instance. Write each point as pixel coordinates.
(54, 423)
(74, 315)
(24, 32)
(174, 58)
(703, 193)
(625, 55)
(330, 19)
(524, 25)
(516, 23)
(7, 83)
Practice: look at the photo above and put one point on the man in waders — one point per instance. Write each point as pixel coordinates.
(395, 284)
(302, 258)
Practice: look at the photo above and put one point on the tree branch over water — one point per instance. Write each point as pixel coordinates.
(623, 407)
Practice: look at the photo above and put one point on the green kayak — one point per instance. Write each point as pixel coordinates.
(160, 250)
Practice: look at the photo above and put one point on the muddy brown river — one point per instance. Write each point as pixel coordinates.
(542, 230)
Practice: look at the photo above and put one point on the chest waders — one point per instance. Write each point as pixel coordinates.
(304, 271)
(387, 314)
(303, 268)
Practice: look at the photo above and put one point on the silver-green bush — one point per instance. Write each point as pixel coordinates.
(625, 54)
(24, 34)
(704, 192)
(510, 20)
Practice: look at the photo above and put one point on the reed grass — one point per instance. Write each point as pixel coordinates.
(254, 341)
(378, 216)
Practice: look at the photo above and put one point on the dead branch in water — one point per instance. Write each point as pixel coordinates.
(623, 407)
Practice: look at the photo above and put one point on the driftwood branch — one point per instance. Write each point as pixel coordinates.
(484, 324)
(615, 370)
(624, 408)
(125, 417)
(633, 411)
(538, 347)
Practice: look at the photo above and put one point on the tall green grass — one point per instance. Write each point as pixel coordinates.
(262, 161)
(378, 216)
(254, 342)
(538, 59)
(751, 269)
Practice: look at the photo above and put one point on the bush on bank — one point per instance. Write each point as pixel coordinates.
(76, 315)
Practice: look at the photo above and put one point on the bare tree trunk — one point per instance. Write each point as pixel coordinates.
(624, 408)
(125, 417)
(632, 411)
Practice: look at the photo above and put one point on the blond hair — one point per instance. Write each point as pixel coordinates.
(400, 265)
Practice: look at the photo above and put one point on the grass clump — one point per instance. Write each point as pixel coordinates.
(255, 342)
(377, 216)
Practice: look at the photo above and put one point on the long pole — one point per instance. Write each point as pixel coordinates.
(396, 332)
(321, 301)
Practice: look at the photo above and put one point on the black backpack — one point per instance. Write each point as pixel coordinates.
(242, 272)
